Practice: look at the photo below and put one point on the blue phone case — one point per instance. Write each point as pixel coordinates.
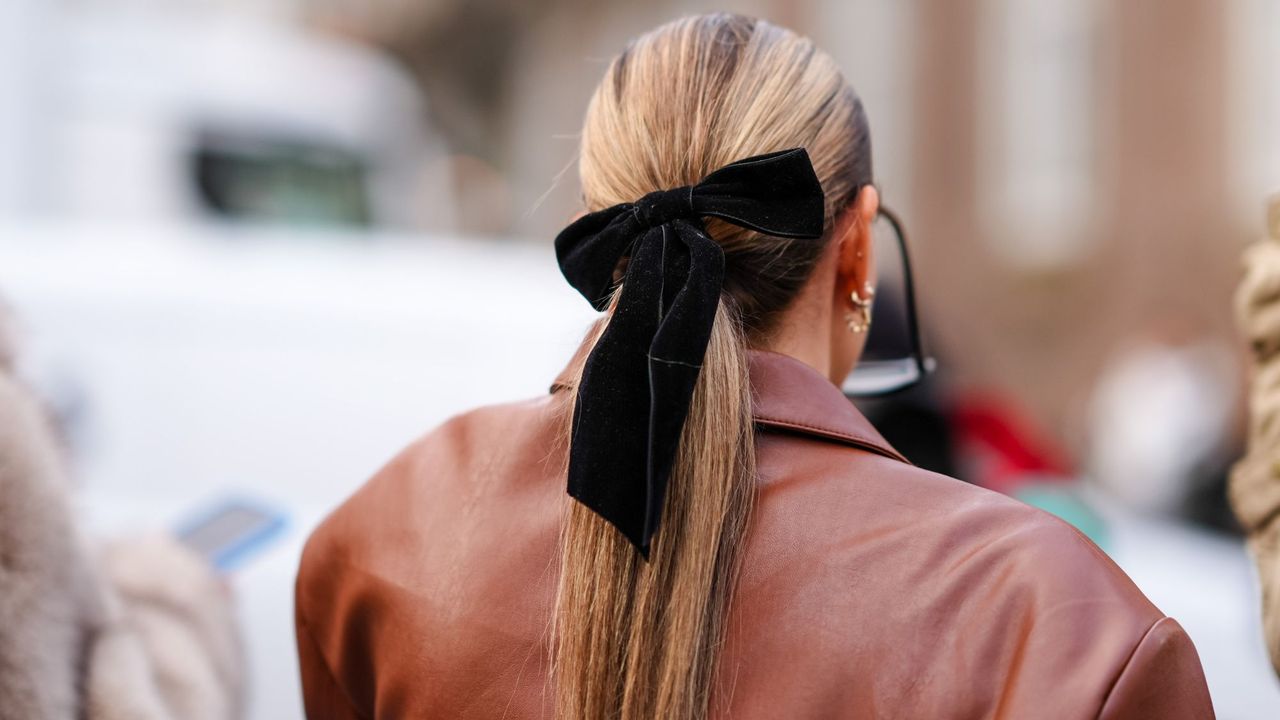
(231, 555)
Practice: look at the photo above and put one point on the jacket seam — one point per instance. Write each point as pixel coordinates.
(1105, 559)
(1106, 699)
(328, 668)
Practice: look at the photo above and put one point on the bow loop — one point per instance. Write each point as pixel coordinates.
(775, 194)
(664, 206)
(639, 378)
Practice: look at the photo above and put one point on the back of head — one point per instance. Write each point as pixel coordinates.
(699, 93)
(636, 639)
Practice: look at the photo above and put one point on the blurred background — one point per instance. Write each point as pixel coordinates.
(254, 248)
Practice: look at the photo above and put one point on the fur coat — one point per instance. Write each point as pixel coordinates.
(138, 629)
(1255, 480)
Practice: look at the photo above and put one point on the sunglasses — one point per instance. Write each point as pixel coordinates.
(893, 358)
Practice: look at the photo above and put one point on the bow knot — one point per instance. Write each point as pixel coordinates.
(663, 206)
(638, 380)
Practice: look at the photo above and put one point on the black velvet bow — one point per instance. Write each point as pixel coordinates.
(638, 380)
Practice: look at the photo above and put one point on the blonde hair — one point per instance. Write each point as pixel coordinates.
(636, 640)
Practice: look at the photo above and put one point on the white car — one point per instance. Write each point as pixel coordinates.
(123, 114)
(224, 364)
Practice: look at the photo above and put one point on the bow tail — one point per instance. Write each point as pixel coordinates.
(608, 455)
(675, 356)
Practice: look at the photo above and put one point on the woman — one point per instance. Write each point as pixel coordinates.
(737, 541)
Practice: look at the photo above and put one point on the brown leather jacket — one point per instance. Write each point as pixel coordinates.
(871, 588)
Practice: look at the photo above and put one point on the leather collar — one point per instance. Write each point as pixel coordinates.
(789, 396)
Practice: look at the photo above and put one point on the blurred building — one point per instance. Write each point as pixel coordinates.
(1080, 183)
(1075, 175)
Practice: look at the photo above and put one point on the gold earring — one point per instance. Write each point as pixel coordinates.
(861, 321)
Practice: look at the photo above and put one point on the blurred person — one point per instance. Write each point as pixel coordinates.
(737, 540)
(1255, 480)
(1145, 449)
(139, 630)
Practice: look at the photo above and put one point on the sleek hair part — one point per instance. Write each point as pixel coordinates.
(637, 640)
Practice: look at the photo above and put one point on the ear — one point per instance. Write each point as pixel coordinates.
(856, 265)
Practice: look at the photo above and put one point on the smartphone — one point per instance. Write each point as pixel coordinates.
(232, 532)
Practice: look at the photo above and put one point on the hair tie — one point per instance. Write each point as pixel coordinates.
(638, 380)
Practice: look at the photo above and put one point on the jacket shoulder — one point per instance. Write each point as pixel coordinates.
(958, 530)
(458, 523)
(464, 459)
(1006, 606)
(979, 530)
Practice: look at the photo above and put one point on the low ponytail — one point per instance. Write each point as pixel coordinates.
(637, 640)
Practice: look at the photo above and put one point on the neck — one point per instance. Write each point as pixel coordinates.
(806, 346)
(804, 331)
(811, 331)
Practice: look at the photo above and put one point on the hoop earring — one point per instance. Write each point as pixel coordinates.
(859, 321)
